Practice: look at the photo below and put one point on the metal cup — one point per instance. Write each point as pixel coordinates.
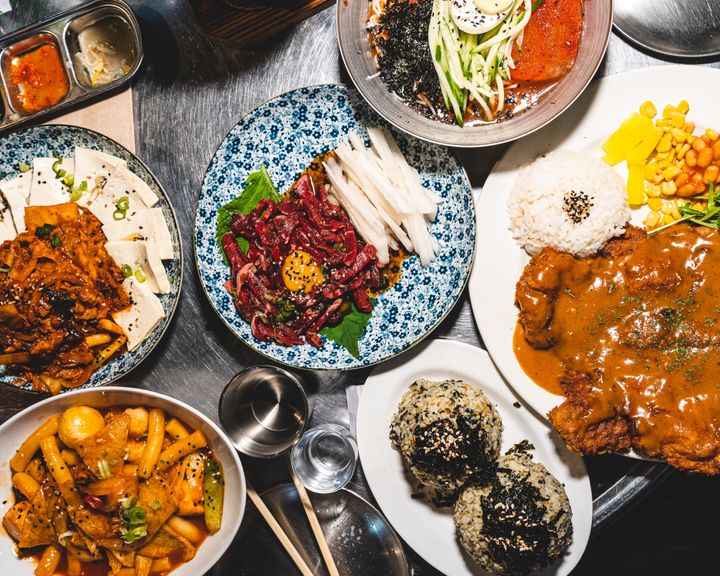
(264, 411)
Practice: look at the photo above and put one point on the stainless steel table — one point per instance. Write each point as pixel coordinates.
(189, 94)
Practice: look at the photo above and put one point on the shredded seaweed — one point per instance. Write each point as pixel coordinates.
(406, 65)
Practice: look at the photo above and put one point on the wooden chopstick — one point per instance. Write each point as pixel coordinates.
(278, 531)
(314, 524)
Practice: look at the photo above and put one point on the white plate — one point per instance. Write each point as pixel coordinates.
(428, 530)
(499, 260)
(19, 427)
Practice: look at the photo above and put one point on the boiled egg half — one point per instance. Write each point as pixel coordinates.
(479, 16)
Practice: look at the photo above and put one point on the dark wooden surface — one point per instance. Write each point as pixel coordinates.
(188, 95)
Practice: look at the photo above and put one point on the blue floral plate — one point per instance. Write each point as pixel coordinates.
(45, 141)
(286, 134)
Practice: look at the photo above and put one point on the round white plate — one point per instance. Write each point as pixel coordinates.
(19, 427)
(429, 530)
(499, 260)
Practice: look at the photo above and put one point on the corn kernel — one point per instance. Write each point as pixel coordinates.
(667, 208)
(668, 110)
(662, 123)
(677, 120)
(648, 109)
(668, 188)
(676, 213)
(698, 206)
(664, 163)
(683, 150)
(652, 219)
(679, 135)
(689, 127)
(654, 204)
(681, 164)
(661, 156)
(683, 106)
(711, 134)
(665, 143)
(653, 191)
(659, 179)
(671, 173)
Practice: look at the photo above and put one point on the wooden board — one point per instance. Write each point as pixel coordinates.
(251, 23)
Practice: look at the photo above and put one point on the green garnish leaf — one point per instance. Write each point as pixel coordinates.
(55, 241)
(349, 331)
(44, 230)
(24, 167)
(258, 186)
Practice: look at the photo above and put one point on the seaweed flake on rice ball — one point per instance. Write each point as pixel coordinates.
(520, 521)
(569, 201)
(449, 434)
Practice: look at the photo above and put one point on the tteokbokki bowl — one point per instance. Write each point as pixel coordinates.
(116, 481)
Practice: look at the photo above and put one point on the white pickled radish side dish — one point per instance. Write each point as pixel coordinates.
(384, 196)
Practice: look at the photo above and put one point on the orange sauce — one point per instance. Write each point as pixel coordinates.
(40, 78)
(644, 324)
(542, 366)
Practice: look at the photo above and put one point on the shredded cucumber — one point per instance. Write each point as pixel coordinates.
(475, 67)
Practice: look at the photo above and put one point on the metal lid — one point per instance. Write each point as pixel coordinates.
(687, 29)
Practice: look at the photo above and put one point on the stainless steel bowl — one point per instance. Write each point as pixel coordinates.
(355, 51)
(264, 410)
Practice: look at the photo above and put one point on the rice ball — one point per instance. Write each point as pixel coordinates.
(448, 432)
(520, 521)
(572, 202)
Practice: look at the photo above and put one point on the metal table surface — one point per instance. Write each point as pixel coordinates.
(188, 95)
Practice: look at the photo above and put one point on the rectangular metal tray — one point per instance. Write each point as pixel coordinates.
(62, 31)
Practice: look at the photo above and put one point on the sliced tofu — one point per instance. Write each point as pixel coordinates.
(7, 228)
(105, 204)
(142, 317)
(93, 167)
(149, 225)
(139, 186)
(157, 267)
(161, 234)
(135, 254)
(46, 189)
(17, 193)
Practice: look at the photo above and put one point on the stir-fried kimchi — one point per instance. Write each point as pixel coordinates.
(58, 288)
(126, 492)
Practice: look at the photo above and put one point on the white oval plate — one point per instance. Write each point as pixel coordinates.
(19, 427)
(583, 128)
(429, 530)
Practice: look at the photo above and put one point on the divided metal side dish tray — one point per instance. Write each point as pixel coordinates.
(62, 34)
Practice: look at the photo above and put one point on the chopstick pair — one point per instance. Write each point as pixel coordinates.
(283, 537)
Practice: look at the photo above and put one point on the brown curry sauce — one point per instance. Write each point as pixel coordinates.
(643, 324)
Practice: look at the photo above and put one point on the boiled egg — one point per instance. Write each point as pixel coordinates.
(479, 16)
(300, 272)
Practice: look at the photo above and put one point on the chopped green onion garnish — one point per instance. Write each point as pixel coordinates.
(69, 180)
(123, 203)
(75, 194)
(56, 165)
(4, 269)
(104, 469)
(44, 230)
(140, 275)
(126, 270)
(24, 167)
(55, 241)
(119, 215)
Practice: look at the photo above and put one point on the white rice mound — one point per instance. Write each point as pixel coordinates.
(544, 200)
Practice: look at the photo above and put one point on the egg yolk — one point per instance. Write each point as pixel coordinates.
(300, 272)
